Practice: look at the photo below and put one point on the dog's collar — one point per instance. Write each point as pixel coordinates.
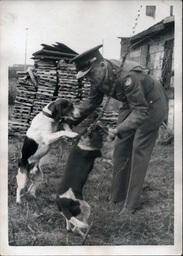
(47, 114)
(85, 147)
(50, 116)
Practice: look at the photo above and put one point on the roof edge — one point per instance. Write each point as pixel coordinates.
(157, 27)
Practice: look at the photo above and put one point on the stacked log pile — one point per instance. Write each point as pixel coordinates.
(47, 72)
(85, 89)
(26, 92)
(52, 76)
(68, 84)
(46, 76)
(110, 118)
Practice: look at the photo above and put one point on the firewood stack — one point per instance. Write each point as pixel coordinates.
(68, 84)
(40, 85)
(110, 118)
(26, 92)
(85, 89)
(46, 76)
(52, 76)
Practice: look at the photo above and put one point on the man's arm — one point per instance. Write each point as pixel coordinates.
(89, 105)
(137, 102)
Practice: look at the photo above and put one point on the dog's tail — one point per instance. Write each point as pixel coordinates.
(80, 224)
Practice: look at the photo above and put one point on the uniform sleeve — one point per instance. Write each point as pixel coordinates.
(138, 105)
(94, 100)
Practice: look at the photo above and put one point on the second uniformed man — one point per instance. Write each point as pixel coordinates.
(144, 107)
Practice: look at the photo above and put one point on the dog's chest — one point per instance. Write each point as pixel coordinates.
(40, 126)
(41, 122)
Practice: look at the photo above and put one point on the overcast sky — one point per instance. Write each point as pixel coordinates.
(79, 24)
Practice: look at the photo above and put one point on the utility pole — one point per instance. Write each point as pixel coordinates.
(26, 43)
(103, 47)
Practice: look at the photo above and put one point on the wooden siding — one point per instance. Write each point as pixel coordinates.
(153, 54)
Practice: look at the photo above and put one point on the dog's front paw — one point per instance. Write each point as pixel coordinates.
(71, 134)
(67, 127)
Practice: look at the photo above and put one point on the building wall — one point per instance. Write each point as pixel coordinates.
(162, 11)
(151, 54)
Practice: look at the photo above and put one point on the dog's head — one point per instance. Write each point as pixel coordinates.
(95, 135)
(61, 109)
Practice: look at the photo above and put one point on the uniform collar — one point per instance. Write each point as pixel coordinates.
(111, 71)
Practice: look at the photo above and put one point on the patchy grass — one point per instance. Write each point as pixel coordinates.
(38, 222)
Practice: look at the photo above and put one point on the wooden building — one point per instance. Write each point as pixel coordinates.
(154, 48)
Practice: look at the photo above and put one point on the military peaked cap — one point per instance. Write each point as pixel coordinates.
(85, 60)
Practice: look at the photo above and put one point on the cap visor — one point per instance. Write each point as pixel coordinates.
(81, 74)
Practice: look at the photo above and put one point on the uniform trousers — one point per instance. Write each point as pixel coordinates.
(131, 156)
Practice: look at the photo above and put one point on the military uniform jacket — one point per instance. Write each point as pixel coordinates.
(142, 96)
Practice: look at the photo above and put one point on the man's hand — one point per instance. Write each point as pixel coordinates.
(112, 133)
(76, 113)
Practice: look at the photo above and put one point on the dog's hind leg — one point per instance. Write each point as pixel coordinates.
(76, 230)
(36, 181)
(68, 225)
(85, 211)
(77, 223)
(21, 183)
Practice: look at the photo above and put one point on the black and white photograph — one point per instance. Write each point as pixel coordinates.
(91, 127)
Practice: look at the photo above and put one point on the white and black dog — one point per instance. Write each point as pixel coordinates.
(75, 210)
(42, 133)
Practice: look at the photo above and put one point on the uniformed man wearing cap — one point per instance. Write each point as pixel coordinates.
(144, 107)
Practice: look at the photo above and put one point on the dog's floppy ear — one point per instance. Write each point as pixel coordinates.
(55, 110)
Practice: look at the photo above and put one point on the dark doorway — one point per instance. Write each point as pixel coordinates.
(167, 72)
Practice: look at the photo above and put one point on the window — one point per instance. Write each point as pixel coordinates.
(150, 10)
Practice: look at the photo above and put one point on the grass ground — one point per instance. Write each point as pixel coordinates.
(38, 222)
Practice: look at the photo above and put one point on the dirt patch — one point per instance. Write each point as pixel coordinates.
(38, 222)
